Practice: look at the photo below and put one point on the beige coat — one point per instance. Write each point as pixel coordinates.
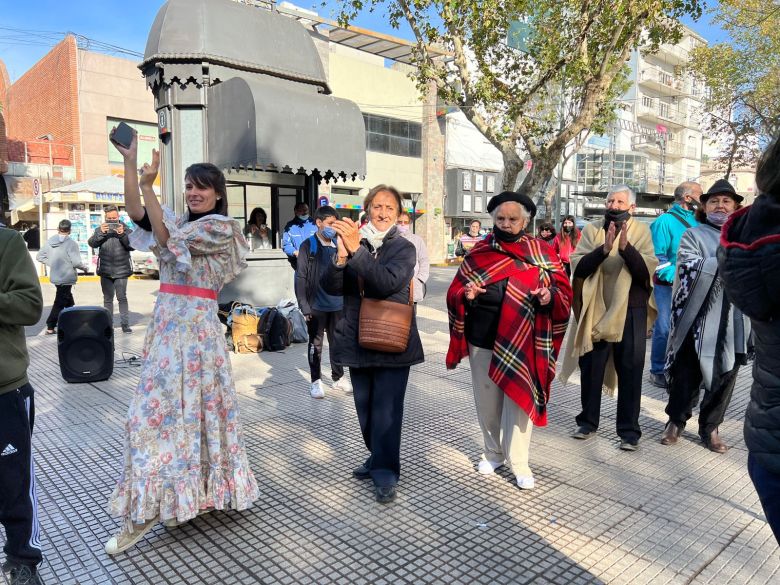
(601, 300)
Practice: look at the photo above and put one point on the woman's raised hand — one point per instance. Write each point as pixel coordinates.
(349, 234)
(149, 171)
(473, 291)
(129, 153)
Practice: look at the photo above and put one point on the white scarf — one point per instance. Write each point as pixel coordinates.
(373, 235)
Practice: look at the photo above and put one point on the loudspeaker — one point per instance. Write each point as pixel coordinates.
(85, 340)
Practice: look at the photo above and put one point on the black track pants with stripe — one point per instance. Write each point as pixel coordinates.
(18, 498)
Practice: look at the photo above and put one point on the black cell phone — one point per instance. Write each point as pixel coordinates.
(113, 225)
(122, 135)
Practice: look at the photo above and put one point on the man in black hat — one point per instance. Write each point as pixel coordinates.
(613, 311)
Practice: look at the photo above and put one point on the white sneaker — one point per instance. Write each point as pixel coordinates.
(486, 467)
(124, 540)
(343, 384)
(526, 483)
(317, 391)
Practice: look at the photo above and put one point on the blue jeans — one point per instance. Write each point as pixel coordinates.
(663, 300)
(767, 486)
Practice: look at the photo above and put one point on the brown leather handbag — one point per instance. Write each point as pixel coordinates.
(385, 325)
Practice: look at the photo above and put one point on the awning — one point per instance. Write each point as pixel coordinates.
(272, 124)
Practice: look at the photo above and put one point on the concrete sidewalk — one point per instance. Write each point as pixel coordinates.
(598, 515)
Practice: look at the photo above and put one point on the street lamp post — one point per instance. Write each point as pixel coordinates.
(415, 197)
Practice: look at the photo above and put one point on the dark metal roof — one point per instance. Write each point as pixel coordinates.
(223, 32)
(270, 124)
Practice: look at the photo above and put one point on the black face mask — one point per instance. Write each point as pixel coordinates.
(507, 237)
(567, 228)
(616, 216)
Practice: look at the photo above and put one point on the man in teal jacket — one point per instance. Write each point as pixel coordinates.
(667, 231)
(21, 304)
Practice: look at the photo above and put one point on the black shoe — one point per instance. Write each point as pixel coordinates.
(385, 495)
(24, 575)
(582, 433)
(126, 329)
(361, 472)
(629, 444)
(658, 380)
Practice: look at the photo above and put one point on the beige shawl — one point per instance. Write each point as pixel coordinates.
(601, 300)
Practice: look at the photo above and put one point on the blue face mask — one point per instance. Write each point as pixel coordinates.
(328, 232)
(303, 217)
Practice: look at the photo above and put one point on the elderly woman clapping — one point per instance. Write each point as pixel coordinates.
(508, 308)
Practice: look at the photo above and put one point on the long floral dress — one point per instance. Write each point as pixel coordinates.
(184, 445)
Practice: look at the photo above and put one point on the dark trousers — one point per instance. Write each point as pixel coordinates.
(629, 359)
(767, 486)
(318, 324)
(684, 391)
(379, 401)
(118, 287)
(18, 497)
(62, 300)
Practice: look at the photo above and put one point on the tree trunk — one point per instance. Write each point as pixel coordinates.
(513, 164)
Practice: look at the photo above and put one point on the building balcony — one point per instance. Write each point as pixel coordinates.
(660, 80)
(660, 112)
(674, 54)
(651, 143)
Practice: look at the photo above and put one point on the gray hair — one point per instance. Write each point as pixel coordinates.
(110, 208)
(523, 211)
(683, 189)
(624, 189)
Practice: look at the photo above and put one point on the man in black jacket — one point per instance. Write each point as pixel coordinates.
(321, 310)
(114, 264)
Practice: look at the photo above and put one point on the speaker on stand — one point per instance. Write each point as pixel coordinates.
(85, 343)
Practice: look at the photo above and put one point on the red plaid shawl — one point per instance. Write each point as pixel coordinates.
(528, 342)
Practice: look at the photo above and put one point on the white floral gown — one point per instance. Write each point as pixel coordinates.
(184, 445)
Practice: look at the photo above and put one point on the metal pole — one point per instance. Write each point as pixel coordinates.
(414, 216)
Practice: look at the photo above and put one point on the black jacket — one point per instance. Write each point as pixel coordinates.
(114, 255)
(385, 276)
(307, 274)
(749, 263)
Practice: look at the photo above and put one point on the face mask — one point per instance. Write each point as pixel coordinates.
(693, 204)
(61, 237)
(328, 232)
(567, 228)
(616, 216)
(402, 228)
(508, 237)
(717, 218)
(303, 217)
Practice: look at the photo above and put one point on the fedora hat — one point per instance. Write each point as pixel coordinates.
(722, 187)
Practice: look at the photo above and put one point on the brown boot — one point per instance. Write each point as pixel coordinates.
(714, 443)
(671, 433)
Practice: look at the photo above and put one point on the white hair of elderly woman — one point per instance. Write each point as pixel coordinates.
(523, 211)
(624, 189)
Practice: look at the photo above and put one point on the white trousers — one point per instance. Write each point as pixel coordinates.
(506, 428)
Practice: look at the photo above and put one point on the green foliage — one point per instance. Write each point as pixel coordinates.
(574, 62)
(743, 77)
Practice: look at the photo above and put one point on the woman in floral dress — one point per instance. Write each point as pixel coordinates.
(184, 446)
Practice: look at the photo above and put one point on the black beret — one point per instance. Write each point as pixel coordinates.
(722, 187)
(507, 196)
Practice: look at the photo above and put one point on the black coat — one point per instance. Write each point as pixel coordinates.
(386, 276)
(114, 255)
(749, 263)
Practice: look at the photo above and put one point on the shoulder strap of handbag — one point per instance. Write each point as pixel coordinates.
(411, 289)
(679, 218)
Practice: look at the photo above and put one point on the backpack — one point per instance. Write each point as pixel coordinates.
(300, 331)
(244, 322)
(274, 330)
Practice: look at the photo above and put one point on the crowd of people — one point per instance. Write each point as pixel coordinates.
(702, 278)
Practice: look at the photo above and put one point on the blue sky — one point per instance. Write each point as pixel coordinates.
(28, 29)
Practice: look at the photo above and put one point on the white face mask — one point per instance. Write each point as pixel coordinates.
(62, 237)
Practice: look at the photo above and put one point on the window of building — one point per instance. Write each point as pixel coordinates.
(393, 136)
(597, 171)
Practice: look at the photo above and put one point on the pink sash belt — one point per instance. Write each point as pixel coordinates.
(189, 291)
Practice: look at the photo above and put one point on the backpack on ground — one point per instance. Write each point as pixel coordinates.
(300, 331)
(244, 321)
(274, 329)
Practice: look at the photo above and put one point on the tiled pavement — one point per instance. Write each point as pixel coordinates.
(598, 515)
